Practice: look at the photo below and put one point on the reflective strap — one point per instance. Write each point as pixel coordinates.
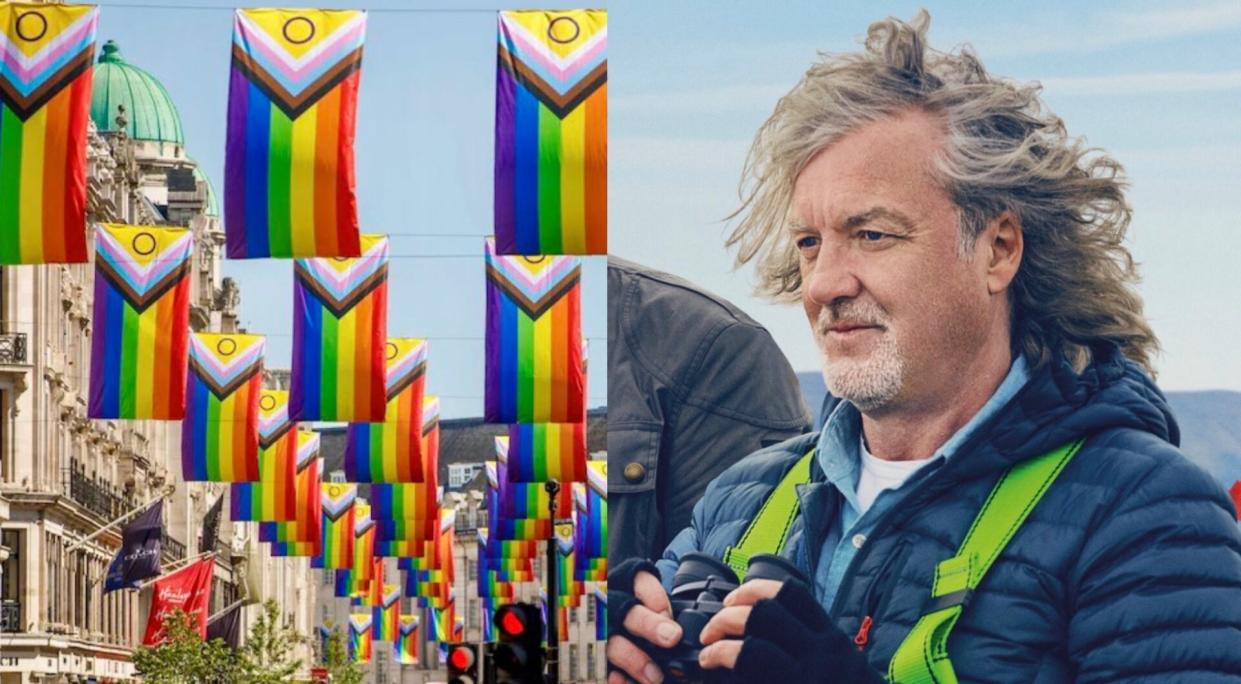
(922, 658)
(769, 530)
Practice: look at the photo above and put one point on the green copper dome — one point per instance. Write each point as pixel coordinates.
(151, 113)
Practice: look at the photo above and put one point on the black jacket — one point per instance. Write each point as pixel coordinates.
(693, 385)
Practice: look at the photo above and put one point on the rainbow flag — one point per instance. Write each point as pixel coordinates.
(534, 371)
(601, 615)
(45, 83)
(591, 503)
(141, 322)
(387, 615)
(568, 591)
(339, 330)
(219, 436)
(274, 496)
(361, 633)
(405, 648)
(363, 543)
(538, 452)
(551, 154)
(338, 524)
(402, 501)
(288, 164)
(301, 537)
(391, 451)
(430, 441)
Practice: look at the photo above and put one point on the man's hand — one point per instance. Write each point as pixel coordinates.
(649, 618)
(722, 651)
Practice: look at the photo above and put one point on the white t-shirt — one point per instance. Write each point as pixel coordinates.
(878, 474)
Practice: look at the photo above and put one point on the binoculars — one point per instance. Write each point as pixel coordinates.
(698, 590)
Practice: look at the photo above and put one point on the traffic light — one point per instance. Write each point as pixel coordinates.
(519, 655)
(463, 664)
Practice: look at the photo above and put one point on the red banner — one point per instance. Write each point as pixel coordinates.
(186, 589)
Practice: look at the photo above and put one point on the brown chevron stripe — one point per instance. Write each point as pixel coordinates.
(294, 106)
(417, 372)
(223, 392)
(340, 308)
(140, 303)
(24, 107)
(534, 309)
(427, 428)
(561, 105)
(275, 437)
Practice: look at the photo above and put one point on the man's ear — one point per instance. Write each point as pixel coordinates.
(1002, 250)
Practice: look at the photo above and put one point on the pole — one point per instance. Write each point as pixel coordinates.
(164, 493)
(225, 610)
(176, 564)
(553, 598)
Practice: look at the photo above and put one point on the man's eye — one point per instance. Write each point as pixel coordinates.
(872, 235)
(807, 242)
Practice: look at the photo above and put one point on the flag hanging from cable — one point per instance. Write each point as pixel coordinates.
(551, 142)
(289, 161)
(141, 322)
(45, 96)
(219, 437)
(391, 451)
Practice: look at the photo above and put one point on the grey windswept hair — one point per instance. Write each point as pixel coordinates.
(1076, 287)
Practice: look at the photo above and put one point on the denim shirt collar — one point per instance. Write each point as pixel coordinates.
(837, 449)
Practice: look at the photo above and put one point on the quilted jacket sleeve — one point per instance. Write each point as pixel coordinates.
(1158, 583)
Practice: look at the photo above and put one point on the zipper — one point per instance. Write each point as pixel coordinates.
(873, 602)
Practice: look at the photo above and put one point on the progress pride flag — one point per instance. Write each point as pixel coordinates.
(186, 589)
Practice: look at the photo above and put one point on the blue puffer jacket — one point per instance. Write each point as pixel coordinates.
(1129, 569)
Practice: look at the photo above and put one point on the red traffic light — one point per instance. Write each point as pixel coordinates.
(461, 658)
(510, 621)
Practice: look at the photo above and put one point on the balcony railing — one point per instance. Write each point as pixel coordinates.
(95, 494)
(172, 549)
(10, 616)
(12, 348)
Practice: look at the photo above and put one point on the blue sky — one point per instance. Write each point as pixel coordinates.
(425, 121)
(1157, 85)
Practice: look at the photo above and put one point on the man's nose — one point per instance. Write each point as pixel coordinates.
(831, 277)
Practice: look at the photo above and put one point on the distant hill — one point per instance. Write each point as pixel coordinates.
(1210, 425)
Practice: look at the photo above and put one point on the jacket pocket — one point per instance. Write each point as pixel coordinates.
(635, 521)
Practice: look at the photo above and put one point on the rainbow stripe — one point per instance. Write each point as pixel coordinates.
(337, 503)
(387, 615)
(363, 564)
(45, 83)
(534, 371)
(568, 591)
(430, 440)
(403, 501)
(141, 322)
(292, 101)
(538, 452)
(274, 496)
(301, 537)
(551, 154)
(601, 615)
(339, 333)
(405, 648)
(391, 451)
(591, 503)
(219, 436)
(361, 634)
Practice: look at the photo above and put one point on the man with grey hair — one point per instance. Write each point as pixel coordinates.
(996, 493)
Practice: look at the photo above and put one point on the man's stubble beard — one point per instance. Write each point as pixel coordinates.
(869, 383)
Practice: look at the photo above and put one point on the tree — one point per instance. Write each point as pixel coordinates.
(267, 656)
(183, 657)
(339, 665)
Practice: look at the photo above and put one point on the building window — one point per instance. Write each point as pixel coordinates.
(11, 583)
(459, 474)
(590, 608)
(590, 661)
(336, 476)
